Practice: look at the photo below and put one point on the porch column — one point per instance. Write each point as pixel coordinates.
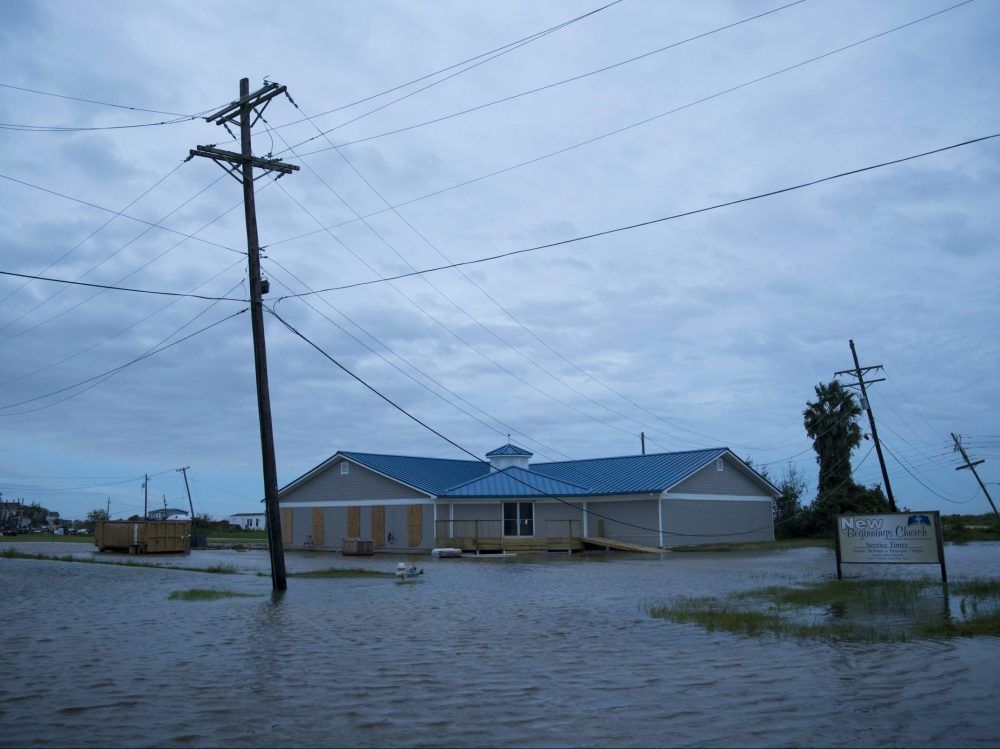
(586, 515)
(659, 518)
(435, 522)
(451, 520)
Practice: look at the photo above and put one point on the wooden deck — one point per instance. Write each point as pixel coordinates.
(609, 543)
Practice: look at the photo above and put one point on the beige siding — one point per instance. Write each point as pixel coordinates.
(358, 483)
(732, 480)
(691, 522)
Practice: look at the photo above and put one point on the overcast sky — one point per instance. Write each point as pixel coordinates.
(703, 331)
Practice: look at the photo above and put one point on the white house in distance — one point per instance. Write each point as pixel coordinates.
(405, 503)
(251, 521)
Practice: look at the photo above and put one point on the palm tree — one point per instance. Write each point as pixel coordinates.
(831, 422)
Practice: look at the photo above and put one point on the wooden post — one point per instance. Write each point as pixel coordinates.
(278, 579)
(241, 165)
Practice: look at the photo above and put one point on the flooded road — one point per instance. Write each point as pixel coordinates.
(541, 650)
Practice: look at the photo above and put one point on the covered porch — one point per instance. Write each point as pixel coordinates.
(509, 534)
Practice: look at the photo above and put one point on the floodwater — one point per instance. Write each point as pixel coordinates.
(541, 650)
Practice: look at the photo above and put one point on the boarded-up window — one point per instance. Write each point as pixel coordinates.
(317, 526)
(378, 525)
(414, 525)
(354, 522)
(286, 525)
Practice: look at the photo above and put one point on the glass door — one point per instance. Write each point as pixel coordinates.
(519, 518)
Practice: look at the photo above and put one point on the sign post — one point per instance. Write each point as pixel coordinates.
(890, 538)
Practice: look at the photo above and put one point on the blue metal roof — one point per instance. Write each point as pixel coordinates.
(432, 475)
(509, 449)
(514, 482)
(631, 474)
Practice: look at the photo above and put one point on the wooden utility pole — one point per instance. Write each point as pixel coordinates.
(971, 465)
(860, 373)
(240, 166)
(145, 496)
(187, 488)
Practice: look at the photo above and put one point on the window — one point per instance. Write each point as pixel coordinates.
(519, 518)
(719, 464)
(345, 468)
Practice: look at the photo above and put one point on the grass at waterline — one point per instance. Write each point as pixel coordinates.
(338, 572)
(849, 610)
(789, 543)
(218, 569)
(206, 594)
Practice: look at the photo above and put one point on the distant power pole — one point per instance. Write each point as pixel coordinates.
(642, 441)
(108, 511)
(860, 373)
(187, 488)
(145, 496)
(971, 465)
(246, 111)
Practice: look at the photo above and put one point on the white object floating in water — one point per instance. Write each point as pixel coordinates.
(403, 571)
(446, 552)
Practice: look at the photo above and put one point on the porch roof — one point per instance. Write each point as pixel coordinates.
(515, 482)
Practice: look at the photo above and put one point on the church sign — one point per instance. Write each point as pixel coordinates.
(890, 538)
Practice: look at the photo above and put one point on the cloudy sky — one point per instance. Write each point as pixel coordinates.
(702, 331)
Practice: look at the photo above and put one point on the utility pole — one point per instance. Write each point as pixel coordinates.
(860, 373)
(145, 496)
(187, 488)
(971, 465)
(107, 513)
(642, 440)
(241, 166)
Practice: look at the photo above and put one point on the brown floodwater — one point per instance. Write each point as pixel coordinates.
(542, 650)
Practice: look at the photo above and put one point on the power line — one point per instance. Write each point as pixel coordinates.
(119, 368)
(490, 55)
(699, 101)
(120, 213)
(123, 330)
(651, 222)
(95, 101)
(596, 138)
(96, 231)
(122, 288)
(24, 128)
(553, 84)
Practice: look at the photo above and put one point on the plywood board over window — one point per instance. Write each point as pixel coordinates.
(286, 526)
(354, 522)
(378, 525)
(414, 525)
(317, 526)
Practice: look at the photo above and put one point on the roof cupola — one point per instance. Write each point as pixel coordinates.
(509, 456)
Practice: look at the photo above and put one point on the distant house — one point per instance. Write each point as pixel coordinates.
(251, 521)
(408, 503)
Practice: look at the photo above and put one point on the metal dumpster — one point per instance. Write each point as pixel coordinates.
(143, 536)
(357, 547)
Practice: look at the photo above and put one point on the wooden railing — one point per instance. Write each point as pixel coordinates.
(474, 529)
(562, 528)
(493, 529)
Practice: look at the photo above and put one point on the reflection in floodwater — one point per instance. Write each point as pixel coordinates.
(526, 651)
